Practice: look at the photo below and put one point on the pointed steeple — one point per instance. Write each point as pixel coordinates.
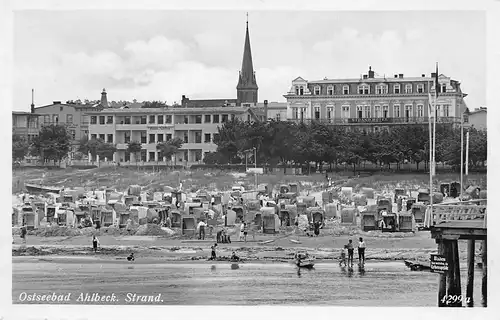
(247, 84)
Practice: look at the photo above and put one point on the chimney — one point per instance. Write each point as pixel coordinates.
(56, 102)
(371, 74)
(265, 110)
(395, 76)
(104, 99)
(365, 76)
(423, 75)
(401, 75)
(32, 100)
(433, 75)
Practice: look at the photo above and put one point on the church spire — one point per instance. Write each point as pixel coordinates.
(247, 84)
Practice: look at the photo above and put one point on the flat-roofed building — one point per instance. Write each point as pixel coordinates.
(72, 115)
(196, 127)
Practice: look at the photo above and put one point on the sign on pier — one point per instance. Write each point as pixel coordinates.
(439, 263)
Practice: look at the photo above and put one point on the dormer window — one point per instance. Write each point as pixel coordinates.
(397, 89)
(363, 89)
(408, 88)
(297, 90)
(330, 90)
(381, 89)
(301, 91)
(317, 90)
(443, 87)
(420, 88)
(345, 89)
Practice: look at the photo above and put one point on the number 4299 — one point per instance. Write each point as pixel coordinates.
(454, 298)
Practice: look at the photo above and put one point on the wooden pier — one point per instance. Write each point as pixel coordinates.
(449, 223)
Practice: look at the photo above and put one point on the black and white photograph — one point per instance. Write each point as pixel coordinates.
(249, 157)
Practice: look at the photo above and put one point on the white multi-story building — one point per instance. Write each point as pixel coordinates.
(373, 102)
(197, 127)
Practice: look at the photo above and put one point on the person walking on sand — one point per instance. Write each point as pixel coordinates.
(361, 251)
(350, 253)
(95, 242)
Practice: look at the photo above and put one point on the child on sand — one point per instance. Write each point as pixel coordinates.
(95, 243)
(342, 256)
(213, 256)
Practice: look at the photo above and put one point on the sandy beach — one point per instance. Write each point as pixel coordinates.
(416, 247)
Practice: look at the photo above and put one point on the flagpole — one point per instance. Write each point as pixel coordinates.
(461, 157)
(466, 154)
(434, 133)
(430, 111)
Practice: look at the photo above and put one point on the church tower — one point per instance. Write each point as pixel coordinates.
(104, 99)
(247, 88)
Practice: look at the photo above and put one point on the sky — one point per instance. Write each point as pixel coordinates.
(164, 54)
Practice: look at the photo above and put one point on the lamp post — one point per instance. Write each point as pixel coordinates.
(463, 120)
(461, 157)
(255, 161)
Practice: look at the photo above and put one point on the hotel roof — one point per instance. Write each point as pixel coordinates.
(171, 110)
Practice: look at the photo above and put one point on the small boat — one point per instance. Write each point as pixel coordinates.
(417, 266)
(303, 260)
(38, 188)
(307, 263)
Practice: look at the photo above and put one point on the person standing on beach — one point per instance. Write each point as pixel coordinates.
(245, 231)
(214, 255)
(350, 253)
(201, 228)
(361, 251)
(24, 232)
(129, 226)
(242, 229)
(95, 242)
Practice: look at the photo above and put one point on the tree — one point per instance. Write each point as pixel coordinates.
(213, 158)
(105, 150)
(134, 147)
(52, 143)
(97, 147)
(154, 104)
(83, 145)
(169, 148)
(20, 147)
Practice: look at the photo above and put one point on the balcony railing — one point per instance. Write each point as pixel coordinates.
(399, 120)
(457, 212)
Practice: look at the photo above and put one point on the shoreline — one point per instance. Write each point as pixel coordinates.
(196, 253)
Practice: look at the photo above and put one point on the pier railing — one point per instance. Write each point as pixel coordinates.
(456, 211)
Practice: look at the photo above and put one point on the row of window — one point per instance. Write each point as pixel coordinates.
(365, 89)
(163, 119)
(156, 156)
(156, 138)
(379, 111)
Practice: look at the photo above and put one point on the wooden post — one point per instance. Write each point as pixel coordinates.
(453, 278)
(442, 276)
(484, 290)
(471, 251)
(456, 286)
